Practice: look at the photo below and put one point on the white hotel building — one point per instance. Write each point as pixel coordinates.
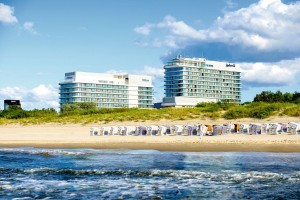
(107, 90)
(189, 81)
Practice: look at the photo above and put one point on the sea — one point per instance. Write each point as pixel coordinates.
(33, 173)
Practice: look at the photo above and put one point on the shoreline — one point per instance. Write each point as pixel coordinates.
(195, 147)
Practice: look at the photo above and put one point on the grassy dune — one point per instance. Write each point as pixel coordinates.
(254, 110)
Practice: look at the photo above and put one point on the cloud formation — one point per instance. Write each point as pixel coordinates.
(271, 74)
(28, 26)
(263, 38)
(42, 96)
(7, 14)
(154, 72)
(265, 31)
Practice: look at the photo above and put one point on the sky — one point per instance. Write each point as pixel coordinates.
(42, 40)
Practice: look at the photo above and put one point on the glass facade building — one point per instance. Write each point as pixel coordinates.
(189, 81)
(107, 90)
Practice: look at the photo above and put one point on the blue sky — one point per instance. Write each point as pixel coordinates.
(41, 40)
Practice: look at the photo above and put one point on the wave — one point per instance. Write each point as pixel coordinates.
(45, 152)
(183, 174)
(124, 184)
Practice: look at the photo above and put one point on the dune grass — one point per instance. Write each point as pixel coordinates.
(257, 110)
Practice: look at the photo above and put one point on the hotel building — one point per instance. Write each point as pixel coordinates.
(189, 81)
(107, 90)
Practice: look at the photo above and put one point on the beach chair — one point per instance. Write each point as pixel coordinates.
(121, 130)
(244, 128)
(176, 130)
(209, 129)
(94, 131)
(141, 130)
(274, 129)
(195, 130)
(293, 128)
(105, 130)
(153, 130)
(229, 128)
(265, 128)
(163, 130)
(219, 130)
(148, 131)
(255, 129)
(284, 127)
(114, 130)
(202, 130)
(130, 130)
(237, 128)
(187, 130)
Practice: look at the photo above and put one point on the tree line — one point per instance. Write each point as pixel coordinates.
(277, 97)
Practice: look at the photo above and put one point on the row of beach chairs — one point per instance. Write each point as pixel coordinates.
(198, 130)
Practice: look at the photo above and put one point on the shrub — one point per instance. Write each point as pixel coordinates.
(236, 112)
(14, 114)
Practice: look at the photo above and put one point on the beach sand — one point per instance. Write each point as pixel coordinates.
(78, 136)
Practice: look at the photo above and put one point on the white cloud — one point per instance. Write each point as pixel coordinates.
(154, 72)
(42, 96)
(28, 26)
(178, 32)
(7, 14)
(267, 25)
(281, 73)
(144, 30)
(230, 4)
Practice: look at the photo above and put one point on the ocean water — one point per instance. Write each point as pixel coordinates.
(31, 173)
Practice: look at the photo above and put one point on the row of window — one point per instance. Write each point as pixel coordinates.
(180, 70)
(82, 99)
(118, 105)
(145, 93)
(189, 63)
(93, 90)
(217, 78)
(92, 85)
(145, 102)
(207, 96)
(207, 90)
(93, 95)
(145, 89)
(236, 83)
(200, 86)
(195, 91)
(217, 86)
(145, 97)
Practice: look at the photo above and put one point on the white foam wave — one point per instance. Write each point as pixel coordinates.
(46, 152)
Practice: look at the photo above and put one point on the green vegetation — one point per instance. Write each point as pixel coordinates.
(270, 97)
(88, 112)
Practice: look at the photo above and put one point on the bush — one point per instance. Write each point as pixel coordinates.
(78, 108)
(209, 107)
(13, 113)
(264, 110)
(236, 112)
(42, 113)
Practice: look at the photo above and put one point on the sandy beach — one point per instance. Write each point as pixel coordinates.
(78, 136)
